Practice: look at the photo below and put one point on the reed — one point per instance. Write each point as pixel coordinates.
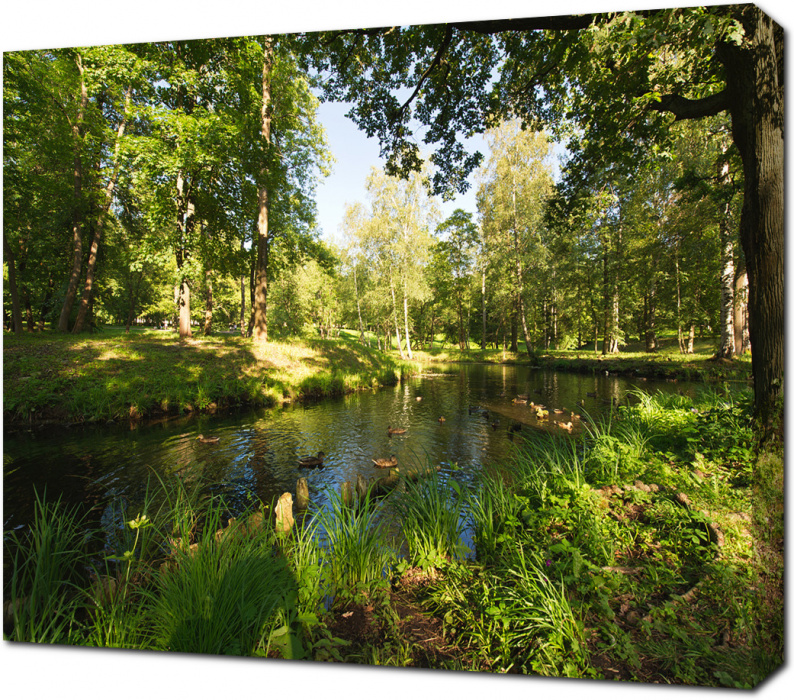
(355, 551)
(433, 515)
(217, 596)
(42, 592)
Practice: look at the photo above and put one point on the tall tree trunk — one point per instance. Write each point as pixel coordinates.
(362, 337)
(651, 342)
(681, 345)
(263, 233)
(405, 317)
(514, 326)
(754, 83)
(77, 204)
(45, 304)
(209, 306)
(396, 323)
(184, 310)
(185, 223)
(134, 287)
(242, 305)
(519, 272)
(605, 344)
(484, 316)
(16, 310)
(727, 342)
(741, 328)
(82, 313)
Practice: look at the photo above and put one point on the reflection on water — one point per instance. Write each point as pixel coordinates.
(257, 455)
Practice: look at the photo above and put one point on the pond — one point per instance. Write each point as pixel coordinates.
(257, 454)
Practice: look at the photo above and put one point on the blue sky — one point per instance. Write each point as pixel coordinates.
(355, 155)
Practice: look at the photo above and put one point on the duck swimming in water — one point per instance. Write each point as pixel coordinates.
(208, 440)
(385, 463)
(311, 461)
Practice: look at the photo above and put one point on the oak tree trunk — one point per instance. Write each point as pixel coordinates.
(755, 87)
(77, 204)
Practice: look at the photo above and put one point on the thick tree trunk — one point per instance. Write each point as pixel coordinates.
(77, 204)
(184, 310)
(88, 289)
(755, 87)
(263, 233)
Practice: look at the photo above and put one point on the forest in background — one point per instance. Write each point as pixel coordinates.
(173, 183)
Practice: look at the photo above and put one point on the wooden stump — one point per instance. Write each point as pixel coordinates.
(361, 488)
(347, 494)
(284, 519)
(302, 494)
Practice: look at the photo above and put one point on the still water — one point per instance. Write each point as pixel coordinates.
(257, 455)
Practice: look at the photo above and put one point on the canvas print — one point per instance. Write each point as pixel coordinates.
(452, 346)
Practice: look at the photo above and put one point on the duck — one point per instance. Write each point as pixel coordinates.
(519, 401)
(395, 431)
(385, 463)
(522, 396)
(208, 440)
(312, 461)
(559, 410)
(566, 426)
(575, 416)
(441, 420)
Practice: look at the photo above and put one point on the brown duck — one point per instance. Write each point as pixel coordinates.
(208, 440)
(384, 463)
(395, 431)
(312, 461)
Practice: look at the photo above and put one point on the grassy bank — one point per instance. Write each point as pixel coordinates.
(146, 373)
(625, 555)
(667, 363)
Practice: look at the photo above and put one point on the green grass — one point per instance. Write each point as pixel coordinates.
(113, 375)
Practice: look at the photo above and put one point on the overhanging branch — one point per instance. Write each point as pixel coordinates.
(684, 108)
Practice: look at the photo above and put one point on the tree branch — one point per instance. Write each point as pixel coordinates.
(684, 108)
(436, 61)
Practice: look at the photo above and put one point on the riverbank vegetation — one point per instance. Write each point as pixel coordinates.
(147, 373)
(627, 554)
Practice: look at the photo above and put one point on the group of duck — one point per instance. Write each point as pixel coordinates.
(542, 413)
